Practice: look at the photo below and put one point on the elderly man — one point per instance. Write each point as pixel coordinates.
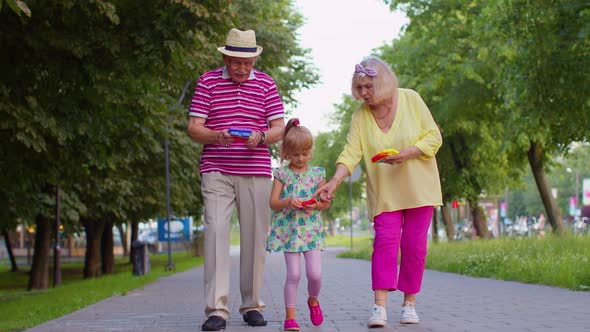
(235, 172)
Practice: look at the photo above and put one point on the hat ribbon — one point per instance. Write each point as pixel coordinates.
(241, 49)
(358, 68)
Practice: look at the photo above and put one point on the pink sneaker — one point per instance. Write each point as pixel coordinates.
(291, 325)
(315, 314)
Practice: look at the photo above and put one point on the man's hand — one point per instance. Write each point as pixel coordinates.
(254, 140)
(224, 138)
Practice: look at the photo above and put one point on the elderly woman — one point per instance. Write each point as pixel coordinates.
(402, 189)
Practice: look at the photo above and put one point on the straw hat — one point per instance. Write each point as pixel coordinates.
(241, 44)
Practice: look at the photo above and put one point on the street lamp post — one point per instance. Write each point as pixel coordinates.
(57, 248)
(170, 266)
(577, 193)
(355, 176)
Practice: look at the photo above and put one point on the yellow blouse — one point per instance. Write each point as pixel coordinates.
(415, 182)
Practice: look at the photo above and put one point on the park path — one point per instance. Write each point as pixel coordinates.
(448, 302)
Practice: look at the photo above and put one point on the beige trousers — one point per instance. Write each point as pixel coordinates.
(251, 196)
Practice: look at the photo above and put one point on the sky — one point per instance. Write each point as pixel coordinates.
(339, 34)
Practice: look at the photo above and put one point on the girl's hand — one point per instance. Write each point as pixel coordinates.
(294, 203)
(311, 206)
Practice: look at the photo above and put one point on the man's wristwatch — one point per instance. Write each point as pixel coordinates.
(262, 137)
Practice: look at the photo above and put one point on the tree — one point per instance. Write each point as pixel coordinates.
(85, 100)
(530, 58)
(17, 6)
(84, 94)
(566, 175)
(7, 241)
(543, 52)
(440, 58)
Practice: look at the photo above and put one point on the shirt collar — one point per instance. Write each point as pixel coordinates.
(225, 74)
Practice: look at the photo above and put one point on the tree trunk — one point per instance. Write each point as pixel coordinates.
(535, 155)
(123, 236)
(107, 249)
(134, 235)
(39, 278)
(330, 223)
(92, 261)
(13, 265)
(479, 220)
(448, 220)
(331, 228)
(435, 226)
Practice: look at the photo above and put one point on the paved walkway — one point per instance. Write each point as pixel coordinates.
(448, 302)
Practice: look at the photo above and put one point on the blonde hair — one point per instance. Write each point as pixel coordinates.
(384, 84)
(295, 138)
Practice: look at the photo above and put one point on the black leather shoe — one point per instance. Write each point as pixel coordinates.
(213, 323)
(254, 318)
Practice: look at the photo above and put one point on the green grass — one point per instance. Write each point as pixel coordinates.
(234, 235)
(21, 309)
(343, 240)
(555, 261)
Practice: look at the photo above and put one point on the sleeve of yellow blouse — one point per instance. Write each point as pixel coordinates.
(352, 153)
(430, 138)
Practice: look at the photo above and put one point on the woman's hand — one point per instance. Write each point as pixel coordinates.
(326, 192)
(403, 155)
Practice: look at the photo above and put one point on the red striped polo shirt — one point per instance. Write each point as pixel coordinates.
(224, 104)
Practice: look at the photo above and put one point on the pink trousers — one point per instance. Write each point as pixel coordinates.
(406, 230)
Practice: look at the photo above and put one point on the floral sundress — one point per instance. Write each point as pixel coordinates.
(295, 230)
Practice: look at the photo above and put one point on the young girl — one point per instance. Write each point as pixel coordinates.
(296, 224)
